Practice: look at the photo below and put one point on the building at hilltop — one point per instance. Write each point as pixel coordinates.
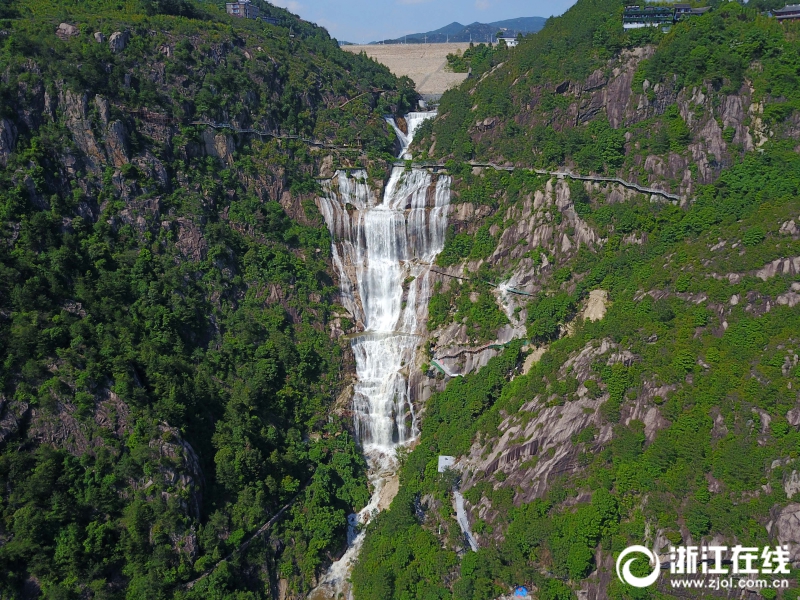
(509, 38)
(244, 9)
(684, 11)
(636, 17)
(790, 12)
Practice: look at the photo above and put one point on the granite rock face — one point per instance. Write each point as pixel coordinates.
(722, 126)
(66, 31)
(119, 40)
(8, 140)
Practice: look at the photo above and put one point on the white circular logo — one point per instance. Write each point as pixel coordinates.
(625, 574)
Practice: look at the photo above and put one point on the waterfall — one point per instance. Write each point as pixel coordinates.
(413, 121)
(383, 251)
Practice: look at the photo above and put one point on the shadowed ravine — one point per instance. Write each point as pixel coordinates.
(383, 251)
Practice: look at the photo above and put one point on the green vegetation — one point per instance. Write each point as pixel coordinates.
(463, 246)
(166, 301)
(725, 384)
(482, 316)
(538, 103)
(712, 353)
(167, 369)
(477, 59)
(546, 315)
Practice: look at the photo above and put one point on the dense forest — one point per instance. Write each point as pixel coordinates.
(670, 420)
(166, 302)
(174, 371)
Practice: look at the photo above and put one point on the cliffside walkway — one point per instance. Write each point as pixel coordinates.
(144, 113)
(277, 136)
(561, 175)
(423, 165)
(244, 545)
(494, 285)
(492, 346)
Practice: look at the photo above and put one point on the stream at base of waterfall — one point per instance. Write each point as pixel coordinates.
(383, 251)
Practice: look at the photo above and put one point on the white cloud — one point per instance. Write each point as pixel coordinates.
(482, 4)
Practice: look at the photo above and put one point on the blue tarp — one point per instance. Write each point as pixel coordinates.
(521, 591)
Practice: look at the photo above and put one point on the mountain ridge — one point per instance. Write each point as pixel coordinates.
(456, 32)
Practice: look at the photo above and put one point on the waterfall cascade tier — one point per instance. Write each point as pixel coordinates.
(383, 252)
(413, 121)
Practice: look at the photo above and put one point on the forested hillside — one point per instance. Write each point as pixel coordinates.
(167, 308)
(651, 395)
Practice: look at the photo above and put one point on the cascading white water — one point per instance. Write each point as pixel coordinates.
(383, 252)
(413, 121)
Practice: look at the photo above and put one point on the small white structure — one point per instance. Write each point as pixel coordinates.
(445, 462)
(511, 41)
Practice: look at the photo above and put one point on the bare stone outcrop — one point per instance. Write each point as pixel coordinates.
(75, 107)
(12, 415)
(117, 143)
(112, 414)
(596, 306)
(219, 145)
(103, 109)
(784, 527)
(180, 470)
(152, 168)
(551, 428)
(780, 266)
(66, 31)
(60, 428)
(8, 140)
(791, 484)
(790, 228)
(119, 40)
(190, 240)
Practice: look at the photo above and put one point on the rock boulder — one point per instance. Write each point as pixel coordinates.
(119, 40)
(66, 31)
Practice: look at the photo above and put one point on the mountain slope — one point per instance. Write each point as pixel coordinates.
(456, 32)
(167, 310)
(650, 393)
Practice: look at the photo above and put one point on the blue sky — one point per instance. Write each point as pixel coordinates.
(370, 20)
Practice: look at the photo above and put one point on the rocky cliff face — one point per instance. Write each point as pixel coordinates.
(722, 127)
(550, 437)
(540, 230)
(196, 237)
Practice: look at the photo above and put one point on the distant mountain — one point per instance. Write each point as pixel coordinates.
(476, 32)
